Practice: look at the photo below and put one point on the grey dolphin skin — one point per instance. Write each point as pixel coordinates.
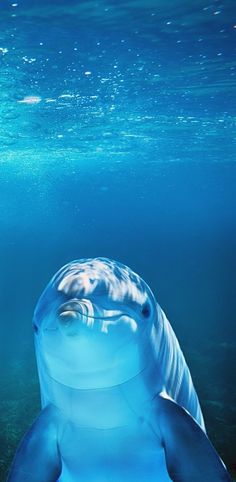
(118, 402)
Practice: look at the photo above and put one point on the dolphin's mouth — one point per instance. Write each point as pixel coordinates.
(88, 313)
(85, 308)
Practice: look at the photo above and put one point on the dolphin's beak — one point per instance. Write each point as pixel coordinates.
(87, 309)
(87, 313)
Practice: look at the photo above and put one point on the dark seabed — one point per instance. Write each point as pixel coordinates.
(117, 138)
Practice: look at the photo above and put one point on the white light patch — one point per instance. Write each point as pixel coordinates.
(83, 278)
(125, 319)
(30, 99)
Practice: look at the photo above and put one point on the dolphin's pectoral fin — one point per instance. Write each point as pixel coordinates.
(37, 458)
(189, 453)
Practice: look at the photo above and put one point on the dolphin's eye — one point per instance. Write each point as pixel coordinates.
(146, 310)
(35, 328)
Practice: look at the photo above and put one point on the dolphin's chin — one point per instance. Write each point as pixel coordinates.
(92, 373)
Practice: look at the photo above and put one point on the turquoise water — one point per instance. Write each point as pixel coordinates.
(117, 138)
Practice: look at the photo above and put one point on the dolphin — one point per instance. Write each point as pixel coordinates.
(118, 401)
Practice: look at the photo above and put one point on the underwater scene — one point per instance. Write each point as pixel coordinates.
(117, 140)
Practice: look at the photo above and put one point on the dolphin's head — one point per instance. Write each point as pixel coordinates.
(91, 323)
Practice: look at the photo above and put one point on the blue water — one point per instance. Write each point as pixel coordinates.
(117, 138)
